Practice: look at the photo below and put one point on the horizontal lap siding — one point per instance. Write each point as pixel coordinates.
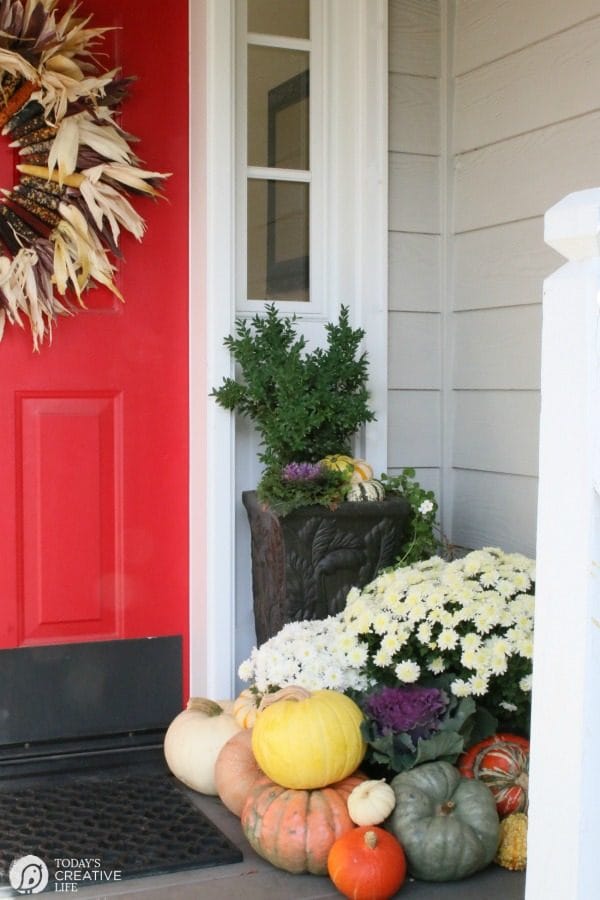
(526, 131)
(414, 353)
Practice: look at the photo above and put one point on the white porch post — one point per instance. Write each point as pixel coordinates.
(564, 816)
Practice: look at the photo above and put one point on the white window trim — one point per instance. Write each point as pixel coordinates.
(316, 308)
(357, 277)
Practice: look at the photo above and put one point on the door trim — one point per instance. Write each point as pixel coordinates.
(358, 277)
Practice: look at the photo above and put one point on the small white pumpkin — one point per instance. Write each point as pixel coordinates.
(371, 802)
(193, 741)
(370, 490)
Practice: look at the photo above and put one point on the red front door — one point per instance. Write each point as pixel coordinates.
(93, 457)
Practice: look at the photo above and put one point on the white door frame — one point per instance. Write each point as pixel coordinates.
(357, 277)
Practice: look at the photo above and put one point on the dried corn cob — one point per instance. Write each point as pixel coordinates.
(18, 99)
(74, 180)
(8, 236)
(41, 212)
(29, 220)
(21, 229)
(27, 127)
(45, 133)
(38, 197)
(41, 147)
(38, 159)
(31, 110)
(8, 86)
(42, 184)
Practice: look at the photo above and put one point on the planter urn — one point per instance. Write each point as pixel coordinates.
(304, 564)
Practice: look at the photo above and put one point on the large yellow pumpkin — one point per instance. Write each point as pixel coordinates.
(306, 741)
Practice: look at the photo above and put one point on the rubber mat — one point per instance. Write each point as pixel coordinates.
(91, 831)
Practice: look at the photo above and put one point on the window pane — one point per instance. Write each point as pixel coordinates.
(278, 240)
(286, 17)
(278, 108)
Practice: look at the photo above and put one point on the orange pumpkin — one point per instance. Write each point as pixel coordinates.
(295, 830)
(367, 863)
(236, 770)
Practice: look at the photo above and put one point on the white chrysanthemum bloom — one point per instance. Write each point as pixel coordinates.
(389, 642)
(357, 657)
(304, 650)
(524, 647)
(471, 658)
(447, 639)
(383, 657)
(521, 581)
(509, 707)
(424, 633)
(460, 688)
(381, 623)
(478, 684)
(345, 642)
(408, 671)
(246, 670)
(470, 641)
(489, 577)
(402, 635)
(525, 684)
(437, 665)
(361, 624)
(416, 613)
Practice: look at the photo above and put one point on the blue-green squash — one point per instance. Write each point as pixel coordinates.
(447, 824)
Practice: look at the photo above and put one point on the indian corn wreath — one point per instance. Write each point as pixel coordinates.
(60, 225)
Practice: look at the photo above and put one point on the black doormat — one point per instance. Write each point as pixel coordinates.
(94, 831)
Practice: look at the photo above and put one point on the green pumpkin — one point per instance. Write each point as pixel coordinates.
(447, 824)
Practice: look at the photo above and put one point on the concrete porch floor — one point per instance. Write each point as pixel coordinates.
(255, 879)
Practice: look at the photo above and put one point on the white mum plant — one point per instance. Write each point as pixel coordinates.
(469, 620)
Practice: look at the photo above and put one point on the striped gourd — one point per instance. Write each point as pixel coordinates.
(366, 490)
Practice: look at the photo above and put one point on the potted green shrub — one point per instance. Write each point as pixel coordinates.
(310, 540)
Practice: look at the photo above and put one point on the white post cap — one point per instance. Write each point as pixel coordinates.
(572, 226)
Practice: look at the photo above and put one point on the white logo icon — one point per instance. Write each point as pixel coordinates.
(28, 875)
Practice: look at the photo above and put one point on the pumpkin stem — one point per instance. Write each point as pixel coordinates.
(370, 839)
(523, 780)
(447, 807)
(209, 707)
(293, 692)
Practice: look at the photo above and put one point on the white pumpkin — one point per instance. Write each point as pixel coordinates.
(193, 741)
(370, 802)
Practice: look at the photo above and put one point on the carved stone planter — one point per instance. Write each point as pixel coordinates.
(304, 564)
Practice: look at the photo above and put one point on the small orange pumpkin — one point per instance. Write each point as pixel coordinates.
(367, 863)
(295, 830)
(236, 770)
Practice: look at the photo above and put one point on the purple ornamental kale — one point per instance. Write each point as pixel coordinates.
(417, 711)
(302, 471)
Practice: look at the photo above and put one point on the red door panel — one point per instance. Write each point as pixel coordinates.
(93, 457)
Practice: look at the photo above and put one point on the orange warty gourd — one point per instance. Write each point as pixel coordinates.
(295, 830)
(236, 770)
(367, 863)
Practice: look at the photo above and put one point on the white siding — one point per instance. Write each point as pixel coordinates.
(415, 351)
(526, 131)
